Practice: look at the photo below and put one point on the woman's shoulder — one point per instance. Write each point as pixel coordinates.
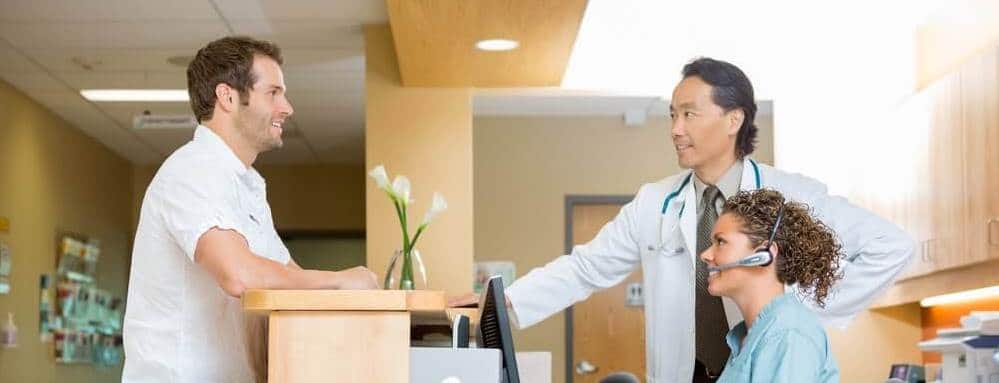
(794, 319)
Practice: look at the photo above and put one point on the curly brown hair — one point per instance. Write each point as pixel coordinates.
(808, 251)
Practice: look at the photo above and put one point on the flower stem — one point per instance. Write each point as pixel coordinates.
(406, 276)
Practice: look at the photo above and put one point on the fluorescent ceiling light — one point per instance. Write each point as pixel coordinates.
(135, 95)
(497, 45)
(960, 297)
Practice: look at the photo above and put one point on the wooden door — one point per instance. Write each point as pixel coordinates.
(607, 334)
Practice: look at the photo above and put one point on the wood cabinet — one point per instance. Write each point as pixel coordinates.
(954, 212)
(980, 110)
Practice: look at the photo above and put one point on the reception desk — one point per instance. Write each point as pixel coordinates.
(344, 336)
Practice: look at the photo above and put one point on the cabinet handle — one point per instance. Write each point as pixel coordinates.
(989, 223)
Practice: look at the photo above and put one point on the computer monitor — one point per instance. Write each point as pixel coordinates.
(494, 327)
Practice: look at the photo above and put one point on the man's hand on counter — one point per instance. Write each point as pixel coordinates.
(355, 278)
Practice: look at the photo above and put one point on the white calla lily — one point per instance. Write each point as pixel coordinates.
(402, 189)
(439, 204)
(380, 176)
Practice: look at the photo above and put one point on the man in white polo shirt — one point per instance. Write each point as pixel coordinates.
(205, 231)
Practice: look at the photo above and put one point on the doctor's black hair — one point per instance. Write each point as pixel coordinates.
(730, 89)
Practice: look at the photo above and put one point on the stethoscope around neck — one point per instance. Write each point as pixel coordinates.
(669, 198)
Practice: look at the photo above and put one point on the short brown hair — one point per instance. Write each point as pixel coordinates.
(228, 60)
(807, 250)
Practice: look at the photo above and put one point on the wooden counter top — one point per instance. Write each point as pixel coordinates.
(344, 300)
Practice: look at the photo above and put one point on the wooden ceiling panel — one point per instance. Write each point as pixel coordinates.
(435, 41)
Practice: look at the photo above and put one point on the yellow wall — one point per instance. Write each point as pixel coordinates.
(960, 30)
(55, 178)
(524, 168)
(425, 134)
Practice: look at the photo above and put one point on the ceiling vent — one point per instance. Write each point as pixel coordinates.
(159, 121)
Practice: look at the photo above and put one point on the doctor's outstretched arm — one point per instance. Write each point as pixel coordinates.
(603, 262)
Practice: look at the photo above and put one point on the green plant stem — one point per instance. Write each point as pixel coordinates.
(406, 276)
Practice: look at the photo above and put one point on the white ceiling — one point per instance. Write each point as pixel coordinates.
(50, 49)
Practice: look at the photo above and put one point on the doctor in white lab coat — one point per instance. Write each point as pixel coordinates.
(712, 110)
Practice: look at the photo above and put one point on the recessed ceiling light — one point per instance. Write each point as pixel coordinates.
(497, 44)
(135, 95)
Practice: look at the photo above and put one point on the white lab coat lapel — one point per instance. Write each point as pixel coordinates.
(688, 219)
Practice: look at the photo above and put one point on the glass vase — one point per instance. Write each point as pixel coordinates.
(406, 272)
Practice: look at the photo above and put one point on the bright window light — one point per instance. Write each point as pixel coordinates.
(960, 297)
(497, 45)
(135, 95)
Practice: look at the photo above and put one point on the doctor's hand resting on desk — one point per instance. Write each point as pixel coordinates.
(761, 243)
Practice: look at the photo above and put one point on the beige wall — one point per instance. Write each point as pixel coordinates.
(54, 178)
(425, 134)
(524, 168)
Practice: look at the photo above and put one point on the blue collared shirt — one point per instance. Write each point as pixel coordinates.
(786, 344)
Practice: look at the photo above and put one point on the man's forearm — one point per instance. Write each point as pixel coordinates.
(267, 274)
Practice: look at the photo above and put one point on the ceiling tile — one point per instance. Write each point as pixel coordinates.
(34, 81)
(327, 82)
(56, 98)
(359, 11)
(13, 61)
(303, 33)
(323, 60)
(93, 60)
(116, 34)
(105, 10)
(124, 80)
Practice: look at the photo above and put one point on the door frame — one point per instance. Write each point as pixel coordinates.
(572, 200)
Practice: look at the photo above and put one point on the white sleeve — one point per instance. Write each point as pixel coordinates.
(875, 251)
(190, 207)
(603, 262)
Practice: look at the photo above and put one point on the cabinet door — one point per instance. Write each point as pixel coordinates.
(948, 201)
(980, 95)
(914, 212)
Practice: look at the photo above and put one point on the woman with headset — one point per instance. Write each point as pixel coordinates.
(760, 244)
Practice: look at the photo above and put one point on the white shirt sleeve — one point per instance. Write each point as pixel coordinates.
(190, 206)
